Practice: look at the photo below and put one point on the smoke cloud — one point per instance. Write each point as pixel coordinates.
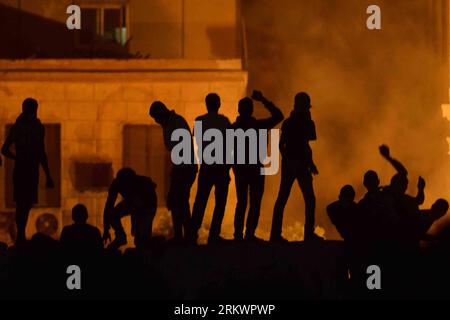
(368, 87)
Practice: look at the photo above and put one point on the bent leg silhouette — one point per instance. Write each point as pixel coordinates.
(120, 210)
(144, 225)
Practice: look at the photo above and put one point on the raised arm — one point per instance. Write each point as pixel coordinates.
(276, 116)
(420, 198)
(385, 152)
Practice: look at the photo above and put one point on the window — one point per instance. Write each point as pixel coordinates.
(144, 151)
(48, 198)
(91, 176)
(103, 21)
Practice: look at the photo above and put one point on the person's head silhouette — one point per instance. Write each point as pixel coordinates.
(79, 214)
(125, 177)
(439, 208)
(159, 112)
(302, 102)
(371, 181)
(399, 183)
(347, 193)
(29, 108)
(212, 101)
(245, 107)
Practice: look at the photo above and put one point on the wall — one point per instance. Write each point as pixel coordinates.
(212, 29)
(92, 109)
(191, 29)
(157, 28)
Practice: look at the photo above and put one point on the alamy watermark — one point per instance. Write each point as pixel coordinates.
(217, 144)
(73, 281)
(73, 22)
(373, 22)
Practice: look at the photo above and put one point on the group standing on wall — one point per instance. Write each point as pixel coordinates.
(382, 208)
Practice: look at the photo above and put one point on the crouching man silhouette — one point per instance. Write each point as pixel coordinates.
(139, 201)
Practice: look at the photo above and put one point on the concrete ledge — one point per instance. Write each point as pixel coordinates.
(233, 271)
(125, 77)
(117, 65)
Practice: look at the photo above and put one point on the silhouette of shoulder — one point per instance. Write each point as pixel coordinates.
(214, 120)
(177, 121)
(140, 186)
(202, 117)
(298, 123)
(80, 235)
(145, 182)
(85, 227)
(26, 133)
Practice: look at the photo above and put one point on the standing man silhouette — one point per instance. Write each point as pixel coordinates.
(182, 175)
(248, 178)
(27, 135)
(215, 175)
(297, 164)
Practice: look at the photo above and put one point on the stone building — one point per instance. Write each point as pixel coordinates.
(94, 87)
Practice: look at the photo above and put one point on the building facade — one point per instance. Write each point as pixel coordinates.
(95, 90)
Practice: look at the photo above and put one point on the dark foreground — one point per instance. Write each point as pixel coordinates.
(245, 271)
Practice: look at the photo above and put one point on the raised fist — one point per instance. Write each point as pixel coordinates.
(384, 150)
(421, 183)
(257, 95)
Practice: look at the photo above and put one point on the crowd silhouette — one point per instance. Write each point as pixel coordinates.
(385, 215)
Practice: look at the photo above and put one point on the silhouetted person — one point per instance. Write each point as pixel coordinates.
(395, 195)
(378, 218)
(415, 227)
(387, 209)
(344, 214)
(43, 246)
(371, 182)
(297, 164)
(139, 201)
(373, 199)
(81, 236)
(182, 175)
(248, 178)
(27, 135)
(215, 175)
